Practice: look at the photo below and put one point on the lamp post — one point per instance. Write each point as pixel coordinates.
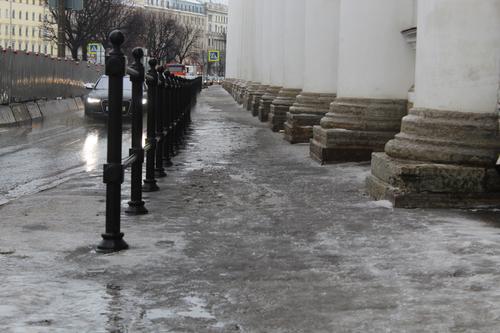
(10, 24)
(61, 47)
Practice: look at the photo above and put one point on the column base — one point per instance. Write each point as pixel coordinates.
(325, 155)
(265, 103)
(415, 184)
(136, 208)
(150, 186)
(257, 97)
(160, 173)
(247, 93)
(238, 91)
(280, 107)
(111, 243)
(306, 112)
(354, 128)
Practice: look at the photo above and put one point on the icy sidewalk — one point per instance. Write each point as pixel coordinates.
(247, 234)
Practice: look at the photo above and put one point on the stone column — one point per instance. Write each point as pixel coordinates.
(247, 51)
(320, 70)
(293, 62)
(445, 154)
(276, 55)
(233, 44)
(262, 63)
(376, 70)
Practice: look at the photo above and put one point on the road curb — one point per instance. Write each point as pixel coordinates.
(6, 116)
(22, 113)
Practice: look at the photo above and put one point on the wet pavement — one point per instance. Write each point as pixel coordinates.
(43, 155)
(247, 235)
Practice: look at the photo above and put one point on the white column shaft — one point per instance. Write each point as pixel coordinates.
(233, 38)
(458, 51)
(321, 46)
(375, 60)
(294, 38)
(277, 51)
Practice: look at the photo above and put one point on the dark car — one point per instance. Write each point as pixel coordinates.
(96, 102)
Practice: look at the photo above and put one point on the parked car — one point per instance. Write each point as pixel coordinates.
(96, 102)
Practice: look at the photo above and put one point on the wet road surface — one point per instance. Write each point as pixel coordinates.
(38, 157)
(246, 235)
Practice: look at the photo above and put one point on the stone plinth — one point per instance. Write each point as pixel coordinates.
(440, 159)
(239, 91)
(355, 128)
(228, 85)
(266, 101)
(280, 107)
(305, 113)
(256, 98)
(247, 95)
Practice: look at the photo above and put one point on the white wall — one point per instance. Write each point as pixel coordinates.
(258, 42)
(458, 47)
(233, 38)
(321, 45)
(375, 61)
(264, 60)
(277, 52)
(294, 38)
(247, 42)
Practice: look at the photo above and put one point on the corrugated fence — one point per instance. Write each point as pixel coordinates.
(27, 77)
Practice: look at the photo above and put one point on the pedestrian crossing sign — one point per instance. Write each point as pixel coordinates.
(93, 48)
(213, 56)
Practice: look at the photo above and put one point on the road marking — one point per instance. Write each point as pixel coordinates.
(72, 142)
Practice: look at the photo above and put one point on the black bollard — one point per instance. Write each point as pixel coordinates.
(167, 124)
(152, 82)
(178, 115)
(136, 204)
(175, 113)
(159, 170)
(113, 171)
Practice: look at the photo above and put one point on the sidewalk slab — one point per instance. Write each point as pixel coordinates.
(247, 235)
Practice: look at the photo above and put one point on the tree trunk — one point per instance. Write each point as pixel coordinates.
(84, 52)
(74, 52)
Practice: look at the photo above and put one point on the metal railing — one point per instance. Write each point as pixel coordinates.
(169, 103)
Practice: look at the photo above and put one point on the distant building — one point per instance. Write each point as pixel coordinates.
(187, 12)
(210, 17)
(216, 36)
(21, 26)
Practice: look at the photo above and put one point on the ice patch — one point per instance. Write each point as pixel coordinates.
(375, 204)
(8, 311)
(155, 314)
(197, 308)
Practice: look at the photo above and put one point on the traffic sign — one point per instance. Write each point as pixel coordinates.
(93, 48)
(213, 56)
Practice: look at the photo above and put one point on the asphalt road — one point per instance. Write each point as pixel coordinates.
(37, 157)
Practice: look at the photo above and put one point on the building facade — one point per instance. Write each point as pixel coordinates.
(355, 89)
(216, 37)
(209, 18)
(21, 26)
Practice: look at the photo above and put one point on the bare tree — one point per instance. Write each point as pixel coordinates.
(188, 38)
(127, 18)
(161, 36)
(91, 23)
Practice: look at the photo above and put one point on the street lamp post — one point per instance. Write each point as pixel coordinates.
(10, 24)
(61, 46)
